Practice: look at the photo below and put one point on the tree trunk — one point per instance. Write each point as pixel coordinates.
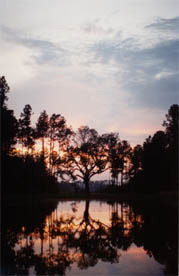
(50, 153)
(121, 179)
(86, 182)
(86, 212)
(43, 146)
(41, 248)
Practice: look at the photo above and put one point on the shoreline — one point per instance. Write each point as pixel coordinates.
(164, 197)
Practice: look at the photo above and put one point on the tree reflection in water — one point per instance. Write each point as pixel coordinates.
(85, 240)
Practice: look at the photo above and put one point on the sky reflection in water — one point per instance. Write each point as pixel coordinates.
(91, 238)
(134, 261)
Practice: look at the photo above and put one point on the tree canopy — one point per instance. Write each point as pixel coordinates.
(85, 157)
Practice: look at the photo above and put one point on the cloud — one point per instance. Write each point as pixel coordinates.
(94, 28)
(45, 52)
(96, 75)
(153, 75)
(164, 24)
(147, 73)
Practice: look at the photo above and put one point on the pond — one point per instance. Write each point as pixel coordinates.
(89, 238)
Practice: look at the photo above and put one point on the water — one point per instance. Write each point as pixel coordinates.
(89, 238)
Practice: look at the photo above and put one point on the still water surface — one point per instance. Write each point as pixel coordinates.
(89, 238)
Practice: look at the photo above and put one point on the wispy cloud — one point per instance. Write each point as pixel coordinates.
(165, 24)
(94, 28)
(45, 51)
(149, 74)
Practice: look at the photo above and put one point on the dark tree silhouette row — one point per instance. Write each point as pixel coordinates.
(155, 164)
(83, 154)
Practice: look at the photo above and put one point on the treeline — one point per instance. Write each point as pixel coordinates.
(156, 162)
(26, 171)
(34, 157)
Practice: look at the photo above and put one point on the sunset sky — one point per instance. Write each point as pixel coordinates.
(111, 65)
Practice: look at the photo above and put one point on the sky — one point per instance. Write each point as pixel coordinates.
(111, 65)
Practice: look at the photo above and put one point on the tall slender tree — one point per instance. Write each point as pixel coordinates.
(4, 89)
(57, 133)
(9, 124)
(42, 127)
(112, 148)
(118, 155)
(125, 153)
(171, 125)
(136, 160)
(26, 132)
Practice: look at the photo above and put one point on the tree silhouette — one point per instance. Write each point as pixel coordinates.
(154, 159)
(84, 158)
(156, 162)
(125, 153)
(113, 148)
(118, 153)
(9, 129)
(26, 132)
(172, 132)
(4, 89)
(42, 127)
(172, 125)
(136, 160)
(57, 132)
(9, 124)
